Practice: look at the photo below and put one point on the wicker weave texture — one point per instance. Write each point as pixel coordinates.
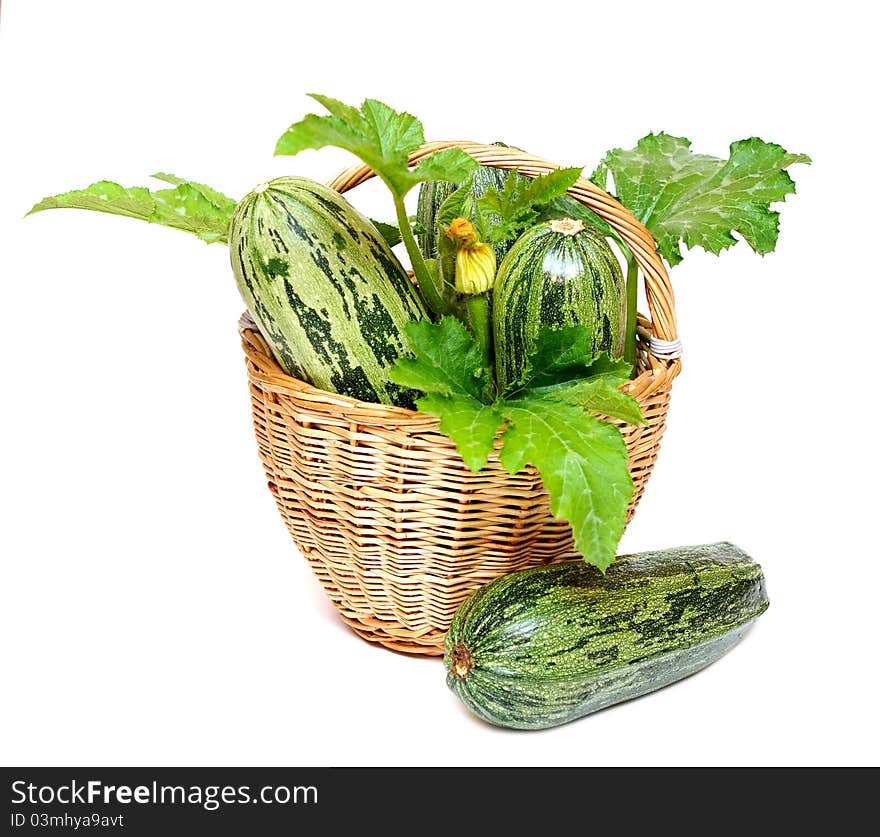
(379, 502)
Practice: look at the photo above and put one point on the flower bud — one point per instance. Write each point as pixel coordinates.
(474, 269)
(474, 260)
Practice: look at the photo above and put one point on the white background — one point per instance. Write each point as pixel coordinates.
(153, 609)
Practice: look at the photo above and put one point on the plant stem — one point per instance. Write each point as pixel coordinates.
(632, 303)
(479, 321)
(427, 285)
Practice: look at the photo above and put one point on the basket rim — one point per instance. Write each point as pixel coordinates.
(658, 288)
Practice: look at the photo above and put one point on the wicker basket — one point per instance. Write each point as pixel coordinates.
(394, 526)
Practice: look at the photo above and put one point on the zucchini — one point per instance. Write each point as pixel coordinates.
(328, 294)
(540, 647)
(558, 273)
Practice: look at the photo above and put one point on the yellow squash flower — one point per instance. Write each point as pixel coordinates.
(474, 260)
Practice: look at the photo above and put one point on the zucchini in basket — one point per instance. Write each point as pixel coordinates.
(328, 294)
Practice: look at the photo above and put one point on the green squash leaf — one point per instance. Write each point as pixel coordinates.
(448, 361)
(583, 464)
(450, 164)
(458, 204)
(599, 394)
(192, 207)
(582, 459)
(698, 200)
(518, 205)
(562, 354)
(390, 232)
(471, 424)
(214, 197)
(541, 190)
(380, 136)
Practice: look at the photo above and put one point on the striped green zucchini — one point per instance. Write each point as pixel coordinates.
(541, 647)
(558, 273)
(324, 287)
(432, 193)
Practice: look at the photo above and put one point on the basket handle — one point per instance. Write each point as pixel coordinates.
(658, 290)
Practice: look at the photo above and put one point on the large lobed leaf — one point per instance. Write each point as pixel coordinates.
(698, 200)
(380, 136)
(547, 423)
(192, 207)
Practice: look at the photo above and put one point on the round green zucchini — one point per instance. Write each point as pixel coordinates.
(558, 273)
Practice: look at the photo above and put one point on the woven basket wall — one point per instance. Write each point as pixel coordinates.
(393, 524)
